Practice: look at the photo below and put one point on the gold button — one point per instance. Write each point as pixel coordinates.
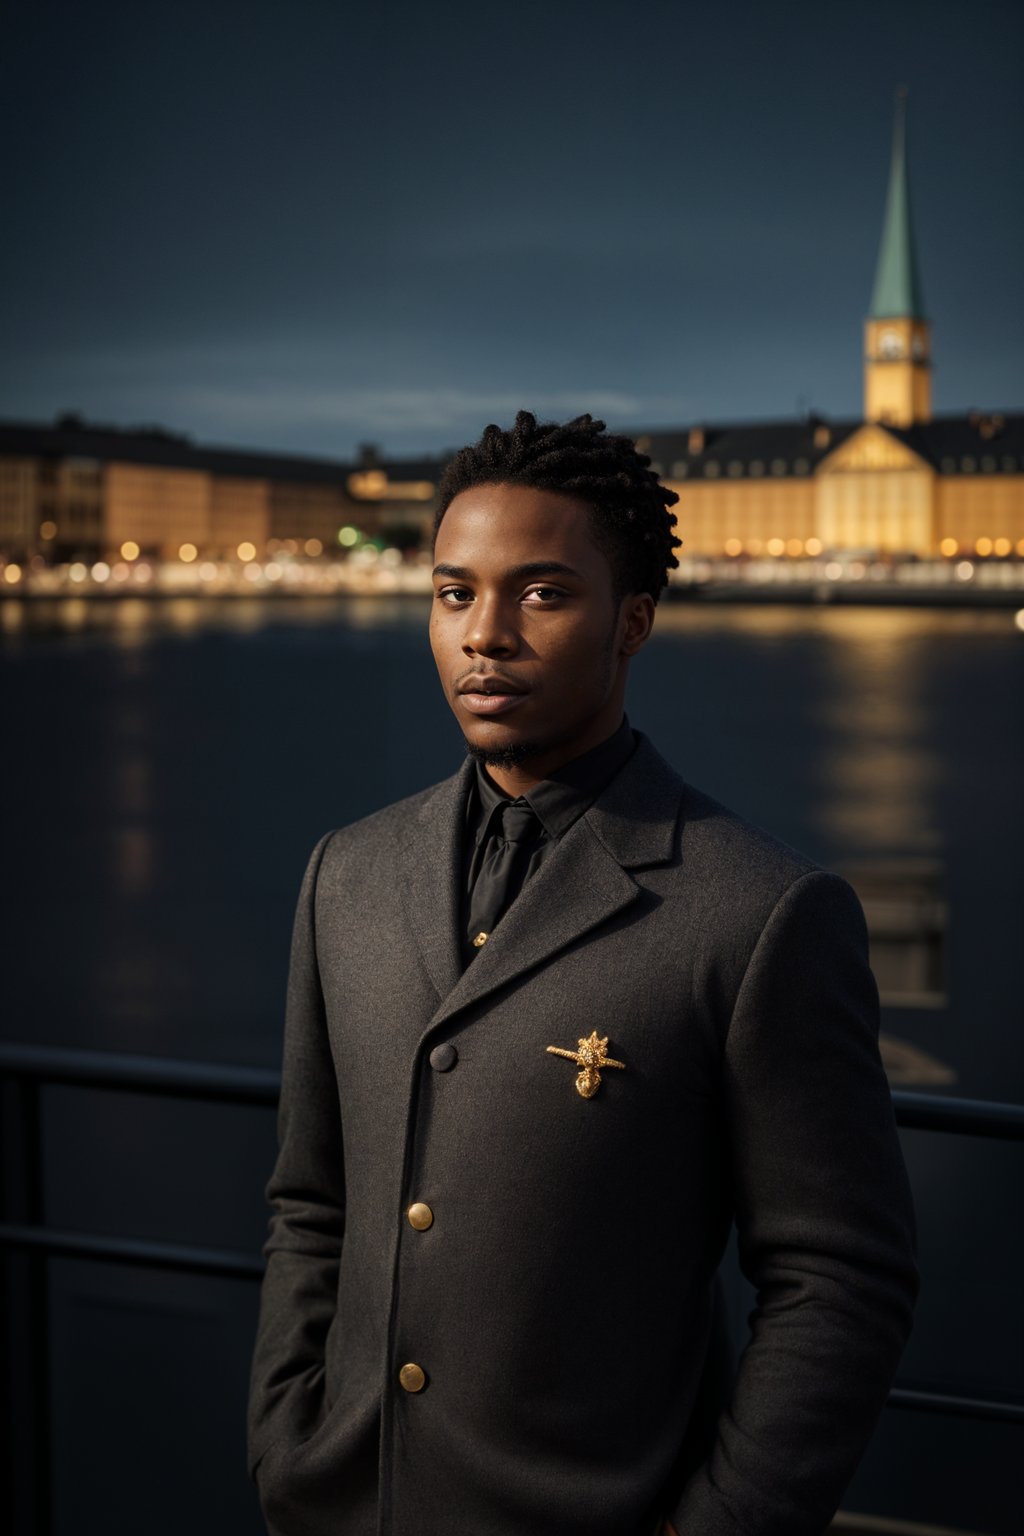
(420, 1216)
(480, 940)
(412, 1377)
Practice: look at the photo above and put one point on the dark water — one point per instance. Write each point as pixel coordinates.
(169, 765)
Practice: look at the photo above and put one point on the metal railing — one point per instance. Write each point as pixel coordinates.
(25, 1070)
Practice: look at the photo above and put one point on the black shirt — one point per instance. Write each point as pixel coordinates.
(490, 882)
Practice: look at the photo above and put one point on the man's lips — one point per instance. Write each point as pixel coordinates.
(488, 694)
(491, 703)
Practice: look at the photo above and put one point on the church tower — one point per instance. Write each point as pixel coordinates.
(897, 337)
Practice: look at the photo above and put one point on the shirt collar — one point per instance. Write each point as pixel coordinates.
(563, 797)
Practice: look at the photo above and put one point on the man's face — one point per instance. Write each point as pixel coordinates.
(530, 643)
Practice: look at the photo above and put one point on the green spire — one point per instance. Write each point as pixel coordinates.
(897, 290)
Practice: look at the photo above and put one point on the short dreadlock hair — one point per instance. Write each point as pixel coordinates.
(629, 504)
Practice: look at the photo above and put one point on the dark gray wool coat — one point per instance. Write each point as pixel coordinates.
(558, 1306)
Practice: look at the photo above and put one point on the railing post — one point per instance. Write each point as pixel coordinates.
(24, 1337)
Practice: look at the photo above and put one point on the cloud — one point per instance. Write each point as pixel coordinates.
(396, 409)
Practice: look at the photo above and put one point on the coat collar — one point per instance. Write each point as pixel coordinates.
(585, 881)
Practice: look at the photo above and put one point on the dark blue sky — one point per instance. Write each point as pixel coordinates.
(312, 224)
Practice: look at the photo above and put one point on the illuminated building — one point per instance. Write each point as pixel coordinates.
(76, 491)
(900, 482)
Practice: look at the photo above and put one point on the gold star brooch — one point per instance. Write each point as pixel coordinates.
(591, 1056)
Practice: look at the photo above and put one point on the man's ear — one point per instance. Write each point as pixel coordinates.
(637, 617)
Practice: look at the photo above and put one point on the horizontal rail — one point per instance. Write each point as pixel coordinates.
(139, 1252)
(1001, 1410)
(225, 1083)
(968, 1117)
(167, 1076)
(241, 1266)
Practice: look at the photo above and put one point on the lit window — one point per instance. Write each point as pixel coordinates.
(968, 465)
(988, 466)
(712, 470)
(1009, 463)
(756, 468)
(656, 468)
(679, 469)
(778, 466)
(800, 466)
(948, 466)
(735, 468)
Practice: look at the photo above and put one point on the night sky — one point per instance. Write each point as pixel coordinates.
(309, 225)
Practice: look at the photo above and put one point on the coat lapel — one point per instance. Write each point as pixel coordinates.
(584, 882)
(432, 877)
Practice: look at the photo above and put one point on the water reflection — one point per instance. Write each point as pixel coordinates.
(880, 777)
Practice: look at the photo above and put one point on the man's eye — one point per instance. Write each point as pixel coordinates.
(453, 595)
(545, 595)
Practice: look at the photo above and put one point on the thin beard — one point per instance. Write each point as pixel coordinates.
(504, 757)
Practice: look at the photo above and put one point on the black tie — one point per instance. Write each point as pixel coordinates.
(514, 834)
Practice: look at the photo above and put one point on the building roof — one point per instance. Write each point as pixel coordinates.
(897, 291)
(72, 438)
(968, 443)
(986, 442)
(989, 442)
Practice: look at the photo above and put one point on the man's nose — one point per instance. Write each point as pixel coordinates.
(491, 630)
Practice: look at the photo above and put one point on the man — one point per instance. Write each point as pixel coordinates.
(552, 1025)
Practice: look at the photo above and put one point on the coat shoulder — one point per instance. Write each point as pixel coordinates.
(745, 864)
(369, 836)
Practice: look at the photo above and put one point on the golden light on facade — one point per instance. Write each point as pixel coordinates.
(949, 547)
(1018, 618)
(1002, 547)
(207, 571)
(734, 546)
(48, 529)
(813, 547)
(129, 550)
(983, 546)
(754, 546)
(370, 484)
(794, 546)
(1020, 547)
(313, 547)
(187, 552)
(776, 546)
(12, 573)
(246, 551)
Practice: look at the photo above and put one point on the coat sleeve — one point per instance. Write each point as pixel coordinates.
(824, 1221)
(306, 1193)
